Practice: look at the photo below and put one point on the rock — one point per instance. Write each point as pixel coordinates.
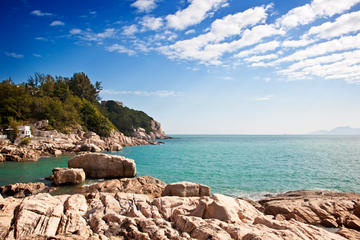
(43, 124)
(21, 190)
(186, 189)
(57, 152)
(2, 158)
(115, 147)
(19, 154)
(315, 207)
(135, 216)
(140, 185)
(99, 165)
(89, 147)
(68, 176)
(349, 233)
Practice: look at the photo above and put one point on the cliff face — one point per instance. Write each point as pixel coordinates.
(155, 132)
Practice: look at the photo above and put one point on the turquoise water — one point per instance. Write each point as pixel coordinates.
(236, 165)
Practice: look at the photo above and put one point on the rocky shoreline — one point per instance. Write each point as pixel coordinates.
(147, 208)
(53, 143)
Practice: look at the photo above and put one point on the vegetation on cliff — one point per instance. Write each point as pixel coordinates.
(66, 103)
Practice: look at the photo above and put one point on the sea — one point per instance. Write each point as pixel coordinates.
(249, 166)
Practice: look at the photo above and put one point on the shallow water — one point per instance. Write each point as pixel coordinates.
(236, 165)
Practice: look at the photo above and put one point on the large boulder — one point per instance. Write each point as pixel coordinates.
(99, 165)
(186, 189)
(68, 176)
(20, 190)
(141, 185)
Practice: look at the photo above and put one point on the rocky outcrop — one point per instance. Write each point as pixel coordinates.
(186, 189)
(323, 208)
(99, 165)
(20, 190)
(135, 216)
(155, 132)
(68, 176)
(53, 143)
(141, 185)
(19, 154)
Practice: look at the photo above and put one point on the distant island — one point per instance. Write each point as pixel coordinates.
(338, 131)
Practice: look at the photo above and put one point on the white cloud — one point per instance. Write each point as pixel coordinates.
(340, 44)
(317, 8)
(144, 5)
(347, 23)
(261, 58)
(75, 31)
(152, 23)
(260, 48)
(158, 93)
(120, 49)
(57, 23)
(190, 32)
(90, 36)
(227, 78)
(39, 13)
(14, 55)
(199, 48)
(41, 39)
(195, 13)
(130, 30)
(297, 43)
(265, 98)
(37, 55)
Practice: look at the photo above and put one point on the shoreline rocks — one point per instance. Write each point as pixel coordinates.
(186, 189)
(20, 190)
(68, 176)
(99, 165)
(135, 216)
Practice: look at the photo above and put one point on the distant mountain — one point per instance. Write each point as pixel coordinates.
(338, 131)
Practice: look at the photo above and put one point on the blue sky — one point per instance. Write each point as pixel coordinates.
(199, 66)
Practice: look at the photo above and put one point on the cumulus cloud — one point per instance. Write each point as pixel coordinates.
(39, 13)
(75, 31)
(309, 12)
(209, 47)
(195, 13)
(144, 5)
(260, 48)
(130, 30)
(120, 49)
(151, 23)
(14, 55)
(57, 23)
(346, 23)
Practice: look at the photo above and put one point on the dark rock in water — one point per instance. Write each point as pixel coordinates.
(68, 176)
(140, 185)
(20, 190)
(99, 165)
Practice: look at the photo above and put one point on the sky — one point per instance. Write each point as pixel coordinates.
(199, 66)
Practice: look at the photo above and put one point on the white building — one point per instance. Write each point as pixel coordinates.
(24, 131)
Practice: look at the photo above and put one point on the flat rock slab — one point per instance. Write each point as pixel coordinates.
(68, 176)
(99, 165)
(20, 190)
(186, 189)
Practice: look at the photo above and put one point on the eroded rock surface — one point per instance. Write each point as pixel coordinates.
(20, 190)
(141, 185)
(324, 208)
(99, 165)
(186, 189)
(68, 176)
(137, 216)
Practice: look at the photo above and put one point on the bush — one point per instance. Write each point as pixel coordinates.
(25, 141)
